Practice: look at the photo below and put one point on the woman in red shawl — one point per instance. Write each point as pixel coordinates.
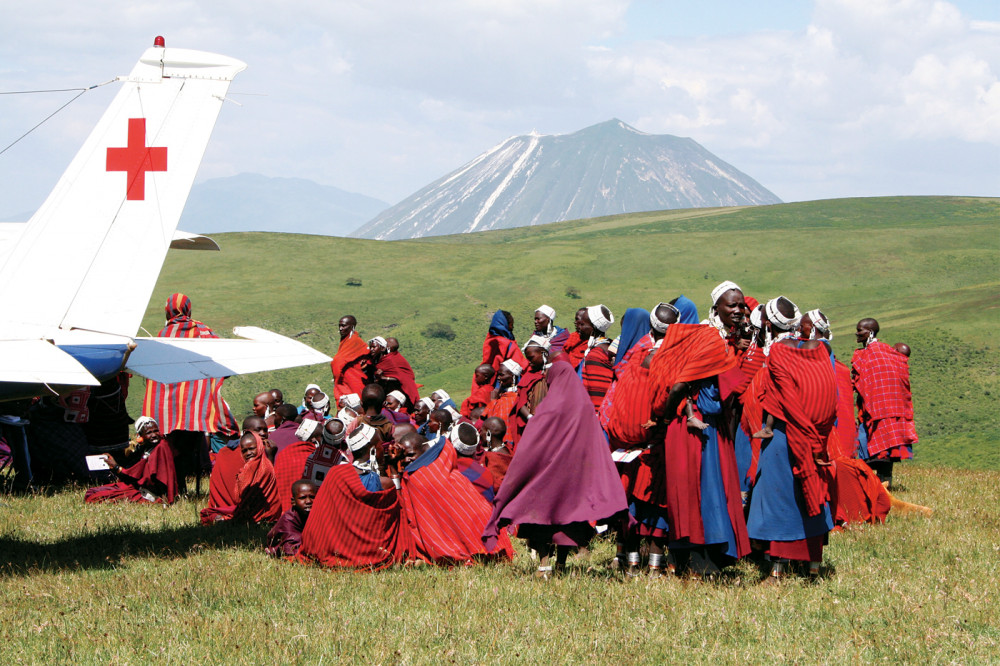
(789, 506)
(562, 477)
(704, 508)
(253, 497)
(149, 475)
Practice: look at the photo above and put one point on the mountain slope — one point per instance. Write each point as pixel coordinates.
(252, 202)
(605, 169)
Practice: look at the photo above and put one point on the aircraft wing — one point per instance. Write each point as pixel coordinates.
(41, 362)
(172, 360)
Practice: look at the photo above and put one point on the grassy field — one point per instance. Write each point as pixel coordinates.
(134, 584)
(137, 584)
(925, 267)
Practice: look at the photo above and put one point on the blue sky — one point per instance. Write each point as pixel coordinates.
(823, 99)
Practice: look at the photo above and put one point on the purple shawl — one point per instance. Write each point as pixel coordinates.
(562, 471)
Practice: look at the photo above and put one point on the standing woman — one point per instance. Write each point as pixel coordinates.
(562, 477)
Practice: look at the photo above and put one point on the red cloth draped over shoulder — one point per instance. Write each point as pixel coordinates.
(288, 467)
(255, 488)
(447, 514)
(353, 527)
(631, 406)
(801, 390)
(574, 349)
(497, 349)
(393, 365)
(882, 379)
(348, 375)
(688, 352)
(222, 483)
(479, 395)
(155, 473)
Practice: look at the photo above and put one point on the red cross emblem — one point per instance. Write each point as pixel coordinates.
(136, 159)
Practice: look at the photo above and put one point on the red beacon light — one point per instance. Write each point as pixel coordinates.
(159, 42)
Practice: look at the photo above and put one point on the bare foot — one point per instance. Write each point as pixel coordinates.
(696, 423)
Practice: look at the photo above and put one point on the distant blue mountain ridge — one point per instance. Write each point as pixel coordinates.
(252, 202)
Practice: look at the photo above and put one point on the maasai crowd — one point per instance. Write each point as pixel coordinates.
(696, 442)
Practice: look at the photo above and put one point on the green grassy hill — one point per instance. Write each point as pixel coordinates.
(925, 267)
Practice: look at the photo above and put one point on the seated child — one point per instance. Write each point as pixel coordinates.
(285, 537)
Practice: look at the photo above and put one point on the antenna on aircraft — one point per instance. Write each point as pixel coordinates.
(159, 42)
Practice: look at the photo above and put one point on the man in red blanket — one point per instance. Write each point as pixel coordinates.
(187, 410)
(445, 512)
(575, 345)
(885, 405)
(348, 364)
(252, 496)
(148, 473)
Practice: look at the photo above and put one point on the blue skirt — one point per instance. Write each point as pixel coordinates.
(777, 508)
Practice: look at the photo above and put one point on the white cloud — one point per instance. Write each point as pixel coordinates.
(381, 97)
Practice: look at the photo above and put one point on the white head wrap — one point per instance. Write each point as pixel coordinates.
(777, 319)
(427, 402)
(547, 311)
(596, 315)
(456, 438)
(820, 323)
(331, 439)
(352, 400)
(723, 288)
(307, 429)
(537, 341)
(398, 395)
(321, 403)
(757, 317)
(655, 322)
(455, 416)
(143, 422)
(346, 415)
(513, 366)
(361, 437)
(379, 342)
(309, 387)
(441, 395)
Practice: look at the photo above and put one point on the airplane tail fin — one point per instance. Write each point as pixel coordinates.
(90, 256)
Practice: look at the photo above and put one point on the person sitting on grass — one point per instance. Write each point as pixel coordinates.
(148, 474)
(465, 439)
(482, 386)
(285, 425)
(445, 512)
(285, 538)
(439, 424)
(252, 496)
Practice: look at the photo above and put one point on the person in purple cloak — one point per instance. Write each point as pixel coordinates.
(561, 477)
